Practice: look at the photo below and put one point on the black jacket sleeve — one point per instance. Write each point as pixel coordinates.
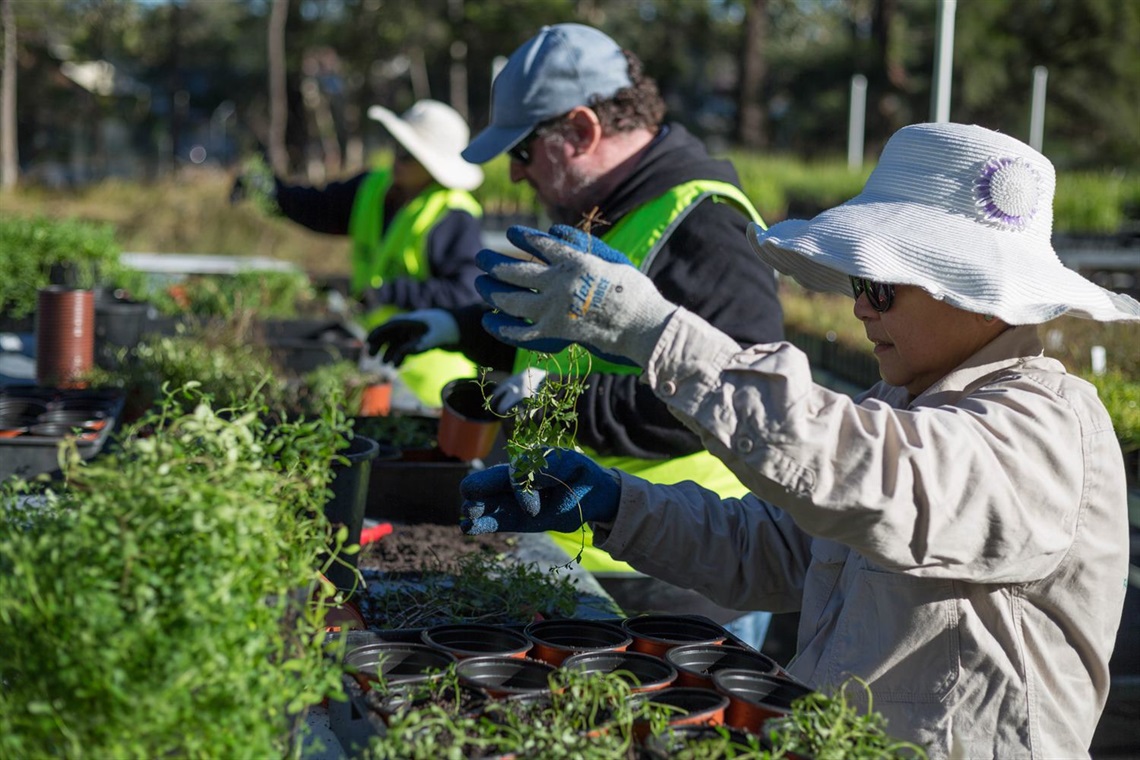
(326, 209)
(708, 267)
(452, 245)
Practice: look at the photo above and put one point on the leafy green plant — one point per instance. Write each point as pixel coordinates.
(467, 589)
(165, 599)
(82, 254)
(1122, 399)
(340, 378)
(270, 294)
(832, 727)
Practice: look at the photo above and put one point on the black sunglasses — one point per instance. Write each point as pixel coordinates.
(879, 294)
(521, 150)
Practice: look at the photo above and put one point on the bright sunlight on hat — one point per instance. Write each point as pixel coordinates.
(434, 133)
(962, 212)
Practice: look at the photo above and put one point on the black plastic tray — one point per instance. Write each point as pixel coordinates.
(33, 452)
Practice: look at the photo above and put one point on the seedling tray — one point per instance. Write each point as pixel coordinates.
(50, 415)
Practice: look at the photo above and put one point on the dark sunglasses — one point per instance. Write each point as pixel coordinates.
(879, 294)
(521, 150)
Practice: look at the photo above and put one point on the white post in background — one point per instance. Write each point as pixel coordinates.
(1099, 359)
(943, 62)
(856, 122)
(1037, 111)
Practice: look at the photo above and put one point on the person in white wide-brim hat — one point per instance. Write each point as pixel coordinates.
(957, 535)
(415, 229)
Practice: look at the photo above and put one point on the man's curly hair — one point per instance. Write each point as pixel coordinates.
(635, 107)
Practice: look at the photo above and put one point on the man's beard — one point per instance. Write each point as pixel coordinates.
(571, 187)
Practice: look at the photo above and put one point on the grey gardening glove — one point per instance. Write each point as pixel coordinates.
(516, 389)
(414, 333)
(578, 292)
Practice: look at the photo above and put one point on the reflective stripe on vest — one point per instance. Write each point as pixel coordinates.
(640, 235)
(382, 253)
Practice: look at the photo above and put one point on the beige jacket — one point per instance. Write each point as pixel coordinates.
(965, 552)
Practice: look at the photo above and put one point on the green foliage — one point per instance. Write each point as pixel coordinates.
(1121, 396)
(1093, 202)
(30, 248)
(586, 715)
(159, 602)
(342, 380)
(271, 294)
(834, 728)
(779, 186)
(230, 372)
(474, 588)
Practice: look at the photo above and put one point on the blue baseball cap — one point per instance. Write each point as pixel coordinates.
(562, 67)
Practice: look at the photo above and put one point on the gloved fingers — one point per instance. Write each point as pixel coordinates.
(523, 237)
(401, 337)
(519, 332)
(518, 302)
(516, 388)
(588, 243)
(489, 483)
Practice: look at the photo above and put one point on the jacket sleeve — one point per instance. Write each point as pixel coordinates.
(708, 267)
(741, 553)
(984, 485)
(326, 209)
(452, 244)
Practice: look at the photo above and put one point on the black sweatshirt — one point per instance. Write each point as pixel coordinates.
(451, 246)
(706, 266)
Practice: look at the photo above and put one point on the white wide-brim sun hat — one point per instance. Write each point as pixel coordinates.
(435, 134)
(963, 212)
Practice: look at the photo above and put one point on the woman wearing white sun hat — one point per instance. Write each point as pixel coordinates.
(415, 229)
(957, 536)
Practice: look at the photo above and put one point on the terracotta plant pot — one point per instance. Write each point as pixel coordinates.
(657, 634)
(646, 672)
(696, 707)
(376, 400)
(65, 336)
(466, 640)
(467, 430)
(755, 697)
(555, 640)
(695, 663)
(396, 663)
(505, 676)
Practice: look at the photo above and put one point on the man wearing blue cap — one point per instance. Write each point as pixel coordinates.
(584, 127)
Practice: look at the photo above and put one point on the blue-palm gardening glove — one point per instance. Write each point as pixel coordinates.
(413, 333)
(569, 491)
(581, 291)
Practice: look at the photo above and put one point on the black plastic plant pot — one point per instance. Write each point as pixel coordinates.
(466, 640)
(346, 506)
(18, 406)
(657, 634)
(695, 663)
(87, 419)
(756, 697)
(502, 676)
(119, 324)
(396, 663)
(555, 640)
(699, 741)
(645, 672)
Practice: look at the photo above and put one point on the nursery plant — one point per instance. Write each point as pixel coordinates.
(78, 254)
(468, 589)
(165, 599)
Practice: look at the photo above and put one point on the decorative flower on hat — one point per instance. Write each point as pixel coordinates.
(1007, 192)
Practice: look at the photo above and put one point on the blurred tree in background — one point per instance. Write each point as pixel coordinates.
(139, 87)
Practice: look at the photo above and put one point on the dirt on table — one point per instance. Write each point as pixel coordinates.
(426, 546)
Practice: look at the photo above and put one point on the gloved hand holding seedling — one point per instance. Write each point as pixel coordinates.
(582, 292)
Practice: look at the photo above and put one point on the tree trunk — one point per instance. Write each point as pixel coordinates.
(278, 96)
(753, 67)
(9, 157)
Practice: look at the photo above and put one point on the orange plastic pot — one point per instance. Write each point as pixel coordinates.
(695, 707)
(657, 634)
(376, 400)
(555, 640)
(505, 676)
(755, 697)
(696, 663)
(477, 640)
(467, 430)
(646, 672)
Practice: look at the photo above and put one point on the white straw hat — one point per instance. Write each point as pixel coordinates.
(958, 210)
(435, 134)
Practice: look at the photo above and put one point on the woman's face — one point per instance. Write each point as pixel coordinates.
(920, 339)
